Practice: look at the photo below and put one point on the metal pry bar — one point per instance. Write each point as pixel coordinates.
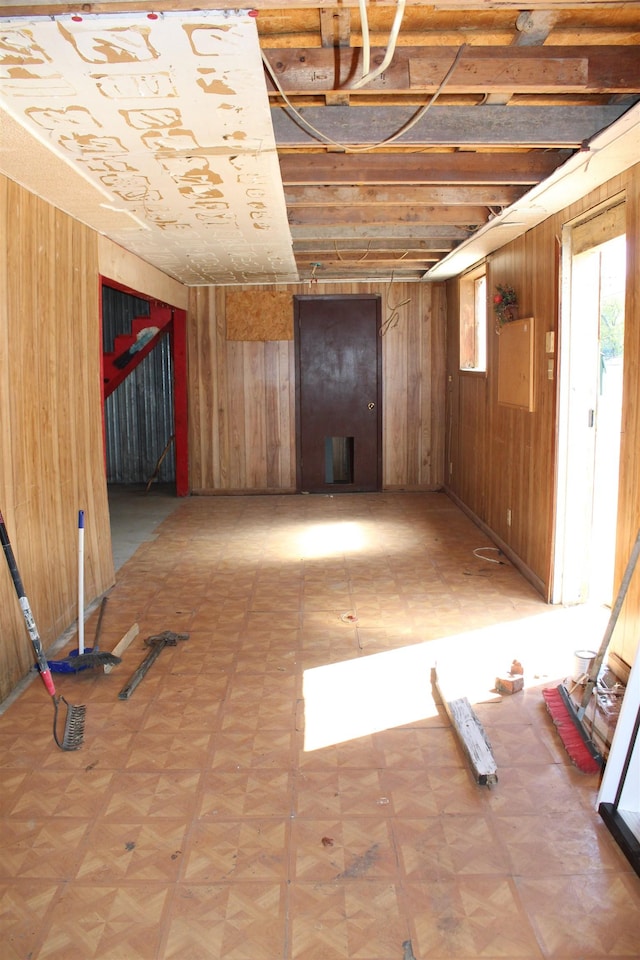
(157, 644)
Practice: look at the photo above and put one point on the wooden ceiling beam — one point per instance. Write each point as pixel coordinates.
(480, 69)
(27, 8)
(526, 168)
(489, 195)
(380, 214)
(358, 249)
(349, 126)
(534, 26)
(335, 27)
(388, 261)
(410, 233)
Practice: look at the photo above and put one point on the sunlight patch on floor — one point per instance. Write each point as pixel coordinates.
(329, 539)
(355, 698)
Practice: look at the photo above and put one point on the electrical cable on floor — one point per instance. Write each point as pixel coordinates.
(477, 553)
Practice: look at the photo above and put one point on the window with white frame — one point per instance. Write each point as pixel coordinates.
(473, 321)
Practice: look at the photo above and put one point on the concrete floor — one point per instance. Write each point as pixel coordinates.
(136, 515)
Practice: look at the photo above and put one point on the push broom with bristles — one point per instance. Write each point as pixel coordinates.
(73, 734)
(83, 659)
(567, 716)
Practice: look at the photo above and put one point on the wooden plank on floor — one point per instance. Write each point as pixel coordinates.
(122, 645)
(472, 736)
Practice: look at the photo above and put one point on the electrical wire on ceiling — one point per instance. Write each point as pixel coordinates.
(374, 146)
(366, 45)
(394, 312)
(370, 75)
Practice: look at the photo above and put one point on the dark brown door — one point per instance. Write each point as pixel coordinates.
(338, 394)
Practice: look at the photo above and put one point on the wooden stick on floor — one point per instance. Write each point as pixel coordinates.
(122, 645)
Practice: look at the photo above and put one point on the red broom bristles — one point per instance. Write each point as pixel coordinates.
(572, 737)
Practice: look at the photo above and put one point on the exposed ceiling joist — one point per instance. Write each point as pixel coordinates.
(423, 168)
(458, 214)
(488, 195)
(485, 126)
(410, 233)
(47, 7)
(480, 103)
(525, 69)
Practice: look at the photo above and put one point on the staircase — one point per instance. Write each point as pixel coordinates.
(129, 349)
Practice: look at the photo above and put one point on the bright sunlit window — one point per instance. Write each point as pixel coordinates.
(473, 321)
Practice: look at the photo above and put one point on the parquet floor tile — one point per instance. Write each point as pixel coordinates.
(105, 921)
(148, 850)
(249, 849)
(239, 921)
(470, 917)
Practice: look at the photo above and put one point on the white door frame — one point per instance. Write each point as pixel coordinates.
(578, 357)
(578, 372)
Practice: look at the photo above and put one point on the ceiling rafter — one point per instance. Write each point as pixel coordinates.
(481, 103)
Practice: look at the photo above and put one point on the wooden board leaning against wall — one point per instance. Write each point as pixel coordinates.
(242, 390)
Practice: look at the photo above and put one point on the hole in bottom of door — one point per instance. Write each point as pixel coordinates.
(338, 459)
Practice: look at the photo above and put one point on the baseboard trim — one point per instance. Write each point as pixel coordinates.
(517, 561)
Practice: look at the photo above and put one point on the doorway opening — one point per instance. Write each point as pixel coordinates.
(591, 354)
(145, 391)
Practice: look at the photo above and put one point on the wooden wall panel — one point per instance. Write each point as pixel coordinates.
(130, 271)
(506, 459)
(242, 393)
(627, 635)
(51, 442)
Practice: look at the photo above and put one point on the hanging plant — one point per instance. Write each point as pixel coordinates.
(505, 304)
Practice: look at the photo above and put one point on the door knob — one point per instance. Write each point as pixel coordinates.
(370, 406)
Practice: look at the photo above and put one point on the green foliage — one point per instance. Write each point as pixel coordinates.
(611, 326)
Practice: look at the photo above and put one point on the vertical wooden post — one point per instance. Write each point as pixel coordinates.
(180, 401)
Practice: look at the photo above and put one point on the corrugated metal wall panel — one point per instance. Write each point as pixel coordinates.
(139, 414)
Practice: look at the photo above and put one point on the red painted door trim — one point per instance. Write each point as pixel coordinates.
(180, 401)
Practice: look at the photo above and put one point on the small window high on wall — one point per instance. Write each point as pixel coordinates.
(473, 321)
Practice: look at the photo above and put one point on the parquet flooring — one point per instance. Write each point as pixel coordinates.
(283, 785)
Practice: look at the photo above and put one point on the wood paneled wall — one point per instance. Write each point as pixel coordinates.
(51, 446)
(242, 408)
(503, 458)
(627, 636)
(242, 393)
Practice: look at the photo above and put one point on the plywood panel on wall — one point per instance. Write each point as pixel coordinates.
(259, 315)
(515, 364)
(50, 420)
(242, 392)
